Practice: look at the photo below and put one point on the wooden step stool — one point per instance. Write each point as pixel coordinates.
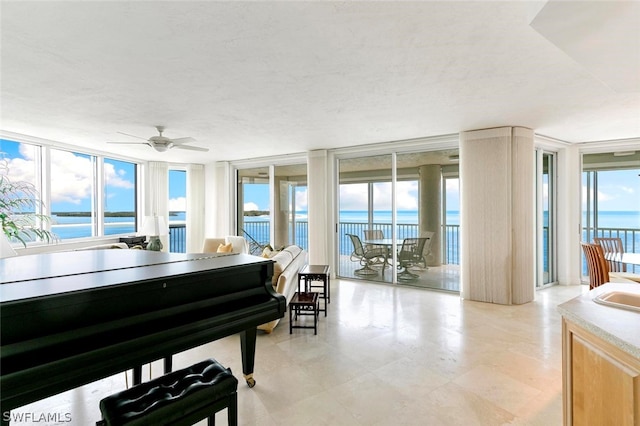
(182, 397)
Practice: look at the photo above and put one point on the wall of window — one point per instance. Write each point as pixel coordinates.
(85, 195)
(272, 206)
(383, 200)
(611, 199)
(177, 211)
(72, 194)
(120, 196)
(545, 218)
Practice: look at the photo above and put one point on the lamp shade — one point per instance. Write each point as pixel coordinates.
(153, 226)
(5, 247)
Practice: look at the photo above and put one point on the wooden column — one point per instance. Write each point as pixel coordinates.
(497, 215)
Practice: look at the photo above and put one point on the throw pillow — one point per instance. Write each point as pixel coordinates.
(225, 248)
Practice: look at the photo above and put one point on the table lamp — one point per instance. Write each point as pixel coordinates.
(5, 247)
(154, 227)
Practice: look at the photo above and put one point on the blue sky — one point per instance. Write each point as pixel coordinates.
(72, 188)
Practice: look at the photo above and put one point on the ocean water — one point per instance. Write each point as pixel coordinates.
(68, 227)
(77, 227)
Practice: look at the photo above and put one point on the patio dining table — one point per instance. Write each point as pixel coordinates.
(383, 242)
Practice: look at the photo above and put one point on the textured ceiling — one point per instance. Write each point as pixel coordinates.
(250, 79)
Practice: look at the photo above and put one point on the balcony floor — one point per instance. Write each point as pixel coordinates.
(444, 277)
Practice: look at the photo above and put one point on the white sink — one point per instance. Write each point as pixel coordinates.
(619, 299)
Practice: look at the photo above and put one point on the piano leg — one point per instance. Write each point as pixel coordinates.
(137, 370)
(248, 349)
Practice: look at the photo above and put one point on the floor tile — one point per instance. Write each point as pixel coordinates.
(385, 355)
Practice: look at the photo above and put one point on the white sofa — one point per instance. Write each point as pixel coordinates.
(238, 244)
(288, 262)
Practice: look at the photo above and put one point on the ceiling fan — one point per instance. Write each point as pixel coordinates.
(161, 143)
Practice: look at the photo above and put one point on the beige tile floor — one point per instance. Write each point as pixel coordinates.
(385, 355)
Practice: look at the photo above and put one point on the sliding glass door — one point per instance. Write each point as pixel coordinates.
(364, 214)
(546, 218)
(290, 212)
(254, 207)
(611, 199)
(385, 200)
(272, 206)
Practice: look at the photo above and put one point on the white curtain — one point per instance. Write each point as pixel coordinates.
(195, 208)
(318, 201)
(157, 194)
(497, 212)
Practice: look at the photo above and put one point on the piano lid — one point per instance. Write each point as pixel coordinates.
(77, 270)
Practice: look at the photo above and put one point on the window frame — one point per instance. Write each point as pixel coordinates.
(43, 182)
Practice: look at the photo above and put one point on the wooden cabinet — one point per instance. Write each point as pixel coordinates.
(601, 382)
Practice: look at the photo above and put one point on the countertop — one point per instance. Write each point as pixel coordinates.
(620, 327)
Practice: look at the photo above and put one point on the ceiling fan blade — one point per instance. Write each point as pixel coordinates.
(180, 141)
(192, 148)
(129, 143)
(133, 136)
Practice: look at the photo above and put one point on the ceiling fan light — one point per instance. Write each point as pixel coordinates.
(162, 147)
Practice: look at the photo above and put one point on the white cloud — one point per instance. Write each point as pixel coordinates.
(72, 177)
(354, 196)
(21, 170)
(177, 204)
(301, 199)
(627, 189)
(117, 178)
(250, 206)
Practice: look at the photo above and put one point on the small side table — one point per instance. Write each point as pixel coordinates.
(311, 273)
(304, 304)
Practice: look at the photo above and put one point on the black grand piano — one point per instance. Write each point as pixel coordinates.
(67, 319)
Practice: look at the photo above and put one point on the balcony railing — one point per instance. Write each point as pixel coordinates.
(630, 241)
(450, 249)
(177, 238)
(259, 231)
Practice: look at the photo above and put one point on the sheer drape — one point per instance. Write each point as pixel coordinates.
(195, 208)
(317, 207)
(497, 211)
(157, 194)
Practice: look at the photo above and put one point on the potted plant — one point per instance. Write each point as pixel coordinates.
(19, 206)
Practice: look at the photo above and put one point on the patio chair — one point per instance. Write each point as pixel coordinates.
(411, 253)
(366, 257)
(376, 234)
(373, 234)
(612, 246)
(426, 251)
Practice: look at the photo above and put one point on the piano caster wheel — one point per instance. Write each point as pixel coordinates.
(251, 382)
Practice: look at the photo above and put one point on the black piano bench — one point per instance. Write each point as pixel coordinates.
(182, 397)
